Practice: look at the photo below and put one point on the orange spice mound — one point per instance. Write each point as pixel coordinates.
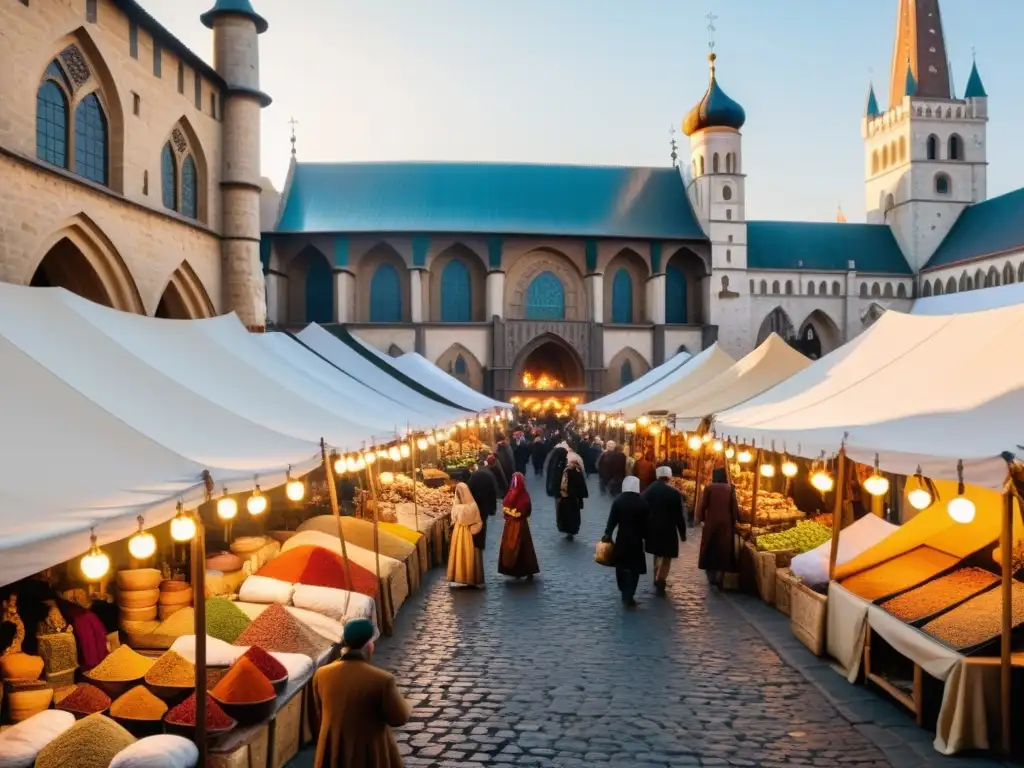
(244, 684)
(319, 567)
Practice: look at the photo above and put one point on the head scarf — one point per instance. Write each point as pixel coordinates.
(465, 511)
(631, 484)
(517, 501)
(663, 472)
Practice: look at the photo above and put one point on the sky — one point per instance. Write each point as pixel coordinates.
(603, 81)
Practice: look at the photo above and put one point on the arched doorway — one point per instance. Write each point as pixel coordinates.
(67, 267)
(684, 293)
(778, 322)
(184, 298)
(310, 288)
(548, 364)
(819, 335)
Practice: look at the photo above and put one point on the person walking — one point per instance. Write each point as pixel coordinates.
(556, 467)
(517, 556)
(644, 469)
(612, 468)
(629, 515)
(493, 466)
(666, 525)
(521, 452)
(503, 452)
(356, 705)
(469, 532)
(538, 453)
(572, 492)
(719, 511)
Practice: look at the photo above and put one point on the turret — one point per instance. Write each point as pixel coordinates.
(236, 27)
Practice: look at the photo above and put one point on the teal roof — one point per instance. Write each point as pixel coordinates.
(823, 246)
(911, 86)
(872, 109)
(975, 88)
(984, 229)
(237, 7)
(715, 110)
(489, 198)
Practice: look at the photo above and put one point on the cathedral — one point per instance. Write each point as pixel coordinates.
(131, 175)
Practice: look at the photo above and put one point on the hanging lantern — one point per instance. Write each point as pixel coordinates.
(877, 484)
(730, 452)
(143, 544)
(767, 470)
(95, 563)
(421, 444)
(183, 527)
(404, 451)
(295, 490)
(717, 446)
(744, 456)
(369, 457)
(227, 507)
(394, 453)
(631, 426)
(431, 440)
(789, 467)
(822, 481)
(643, 421)
(961, 509)
(694, 443)
(920, 498)
(340, 466)
(654, 430)
(360, 464)
(257, 503)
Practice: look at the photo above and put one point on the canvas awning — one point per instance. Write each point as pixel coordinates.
(694, 373)
(916, 390)
(656, 374)
(773, 361)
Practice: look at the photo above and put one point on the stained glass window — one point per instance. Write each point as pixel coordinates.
(52, 124)
(626, 374)
(545, 298)
(91, 140)
(622, 297)
(169, 177)
(456, 296)
(189, 189)
(675, 295)
(386, 295)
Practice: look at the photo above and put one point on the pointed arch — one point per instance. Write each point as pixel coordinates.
(367, 270)
(992, 277)
(932, 147)
(545, 297)
(951, 285)
(979, 278)
(837, 289)
(876, 290)
(964, 281)
(1008, 275)
(777, 321)
(926, 289)
(823, 288)
(870, 316)
(938, 287)
(626, 275)
(955, 147)
(863, 290)
(901, 291)
(819, 335)
(458, 285)
(184, 297)
(524, 297)
(80, 257)
(310, 288)
(887, 291)
(395, 351)
(549, 353)
(627, 363)
(386, 295)
(459, 362)
(184, 168)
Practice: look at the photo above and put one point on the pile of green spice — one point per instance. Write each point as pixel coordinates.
(224, 620)
(85, 700)
(185, 714)
(122, 665)
(172, 669)
(138, 704)
(90, 743)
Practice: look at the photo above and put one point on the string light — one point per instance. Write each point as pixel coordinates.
(920, 498)
(822, 480)
(961, 509)
(387, 478)
(183, 527)
(789, 467)
(295, 490)
(694, 443)
(394, 453)
(730, 452)
(421, 444)
(440, 436)
(340, 466)
(706, 438)
(717, 446)
(405, 451)
(767, 470)
(143, 544)
(360, 463)
(643, 421)
(744, 456)
(877, 484)
(227, 507)
(431, 440)
(95, 563)
(257, 503)
(654, 430)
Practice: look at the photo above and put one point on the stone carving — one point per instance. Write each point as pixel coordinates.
(725, 293)
(180, 142)
(76, 65)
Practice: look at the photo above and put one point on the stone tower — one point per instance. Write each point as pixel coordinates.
(717, 194)
(925, 156)
(236, 27)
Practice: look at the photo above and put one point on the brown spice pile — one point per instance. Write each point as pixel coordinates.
(172, 669)
(903, 572)
(85, 700)
(277, 630)
(138, 704)
(978, 620)
(932, 597)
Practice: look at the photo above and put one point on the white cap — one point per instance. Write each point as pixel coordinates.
(663, 471)
(631, 484)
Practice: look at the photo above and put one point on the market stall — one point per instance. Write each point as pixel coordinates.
(608, 402)
(693, 373)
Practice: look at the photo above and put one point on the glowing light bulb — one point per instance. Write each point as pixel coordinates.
(631, 426)
(360, 464)
(730, 452)
(823, 481)
(431, 440)
(421, 444)
(601, 418)
(394, 453)
(183, 527)
(789, 468)
(95, 563)
(369, 457)
(767, 470)
(142, 545)
(387, 478)
(257, 503)
(227, 507)
(877, 485)
(460, 424)
(745, 457)
(706, 437)
(451, 431)
(340, 466)
(440, 436)
(961, 509)
(295, 490)
(643, 421)
(919, 499)
(404, 450)
(694, 443)
(654, 429)
(717, 446)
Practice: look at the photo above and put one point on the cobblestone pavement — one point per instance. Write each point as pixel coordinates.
(557, 673)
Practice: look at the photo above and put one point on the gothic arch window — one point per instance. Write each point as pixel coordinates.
(955, 148)
(52, 117)
(964, 282)
(938, 287)
(992, 278)
(179, 176)
(836, 288)
(189, 188)
(1007, 273)
(714, 163)
(876, 290)
(676, 295)
(386, 295)
(890, 203)
(942, 184)
(863, 290)
(874, 162)
(626, 374)
(91, 141)
(776, 289)
(622, 297)
(169, 177)
(901, 291)
(459, 369)
(951, 285)
(545, 298)
(979, 278)
(932, 147)
(903, 149)
(764, 286)
(810, 288)
(456, 294)
(789, 287)
(926, 290)
(887, 292)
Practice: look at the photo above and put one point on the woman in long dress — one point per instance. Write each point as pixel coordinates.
(719, 511)
(572, 492)
(465, 561)
(517, 557)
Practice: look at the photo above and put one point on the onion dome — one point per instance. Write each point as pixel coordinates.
(237, 8)
(975, 88)
(715, 110)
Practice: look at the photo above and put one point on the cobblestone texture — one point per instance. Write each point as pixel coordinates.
(557, 673)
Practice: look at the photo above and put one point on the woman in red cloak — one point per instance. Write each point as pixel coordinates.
(517, 557)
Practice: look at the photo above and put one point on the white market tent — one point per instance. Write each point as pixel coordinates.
(970, 301)
(914, 390)
(359, 365)
(694, 373)
(656, 374)
(772, 362)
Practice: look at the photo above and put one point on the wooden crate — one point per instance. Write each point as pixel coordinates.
(807, 617)
(286, 732)
(785, 582)
(765, 566)
(251, 754)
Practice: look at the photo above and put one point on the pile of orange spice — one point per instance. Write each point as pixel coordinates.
(243, 684)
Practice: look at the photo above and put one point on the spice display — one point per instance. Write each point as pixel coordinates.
(936, 595)
(172, 669)
(85, 700)
(267, 664)
(214, 675)
(803, 537)
(90, 743)
(244, 684)
(433, 502)
(977, 621)
(903, 572)
(319, 567)
(122, 665)
(59, 652)
(224, 619)
(185, 714)
(138, 704)
(277, 630)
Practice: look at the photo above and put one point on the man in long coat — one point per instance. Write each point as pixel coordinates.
(357, 705)
(612, 468)
(666, 525)
(503, 452)
(484, 487)
(557, 460)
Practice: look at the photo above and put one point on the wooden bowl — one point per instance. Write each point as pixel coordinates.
(174, 585)
(246, 545)
(139, 578)
(113, 688)
(250, 713)
(164, 612)
(21, 705)
(138, 598)
(177, 597)
(139, 614)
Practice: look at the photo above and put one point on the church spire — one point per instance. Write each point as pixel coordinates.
(920, 52)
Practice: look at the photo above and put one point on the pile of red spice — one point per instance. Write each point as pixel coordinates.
(319, 567)
(85, 700)
(267, 664)
(185, 714)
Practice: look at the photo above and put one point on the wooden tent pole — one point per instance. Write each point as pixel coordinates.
(756, 491)
(415, 493)
(837, 513)
(376, 549)
(199, 619)
(1005, 665)
(332, 493)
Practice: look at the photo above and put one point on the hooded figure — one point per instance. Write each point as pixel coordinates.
(503, 452)
(517, 557)
(465, 558)
(719, 511)
(556, 466)
(521, 452)
(572, 491)
(494, 467)
(629, 515)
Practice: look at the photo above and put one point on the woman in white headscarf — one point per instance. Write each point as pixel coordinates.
(572, 492)
(465, 561)
(629, 515)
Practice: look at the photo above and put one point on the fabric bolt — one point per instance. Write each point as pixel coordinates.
(22, 742)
